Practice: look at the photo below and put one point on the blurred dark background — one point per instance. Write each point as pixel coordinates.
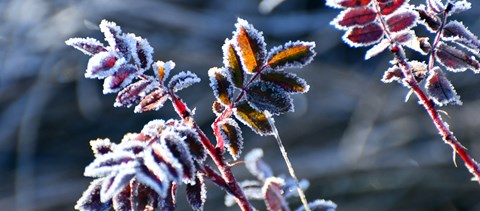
(351, 136)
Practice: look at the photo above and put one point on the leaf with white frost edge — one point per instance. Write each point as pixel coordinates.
(256, 166)
(183, 80)
(250, 46)
(291, 55)
(111, 163)
(133, 93)
(222, 87)
(455, 60)
(232, 135)
(101, 146)
(268, 96)
(120, 79)
(440, 89)
(115, 183)
(143, 54)
(88, 46)
(90, 199)
(377, 49)
(102, 65)
(197, 193)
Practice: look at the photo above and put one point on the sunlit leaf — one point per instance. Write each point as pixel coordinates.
(103, 64)
(256, 166)
(440, 89)
(377, 49)
(232, 135)
(133, 93)
(428, 19)
(272, 189)
(456, 60)
(111, 163)
(250, 45)
(143, 53)
(222, 88)
(89, 46)
(291, 55)
(347, 3)
(197, 193)
(267, 96)
(101, 146)
(363, 36)
(115, 183)
(287, 81)
(183, 80)
(402, 21)
(152, 102)
(456, 32)
(359, 16)
(388, 7)
(254, 119)
(231, 61)
(120, 79)
(90, 199)
(162, 69)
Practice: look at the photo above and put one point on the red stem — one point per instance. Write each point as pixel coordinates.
(216, 155)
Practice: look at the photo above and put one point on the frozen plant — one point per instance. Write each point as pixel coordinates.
(389, 24)
(145, 169)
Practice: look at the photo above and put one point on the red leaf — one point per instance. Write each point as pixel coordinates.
(354, 17)
(87, 45)
(273, 195)
(196, 193)
(388, 7)
(363, 36)
(393, 74)
(428, 19)
(440, 89)
(122, 77)
(122, 200)
(152, 102)
(133, 93)
(456, 60)
(347, 3)
(402, 21)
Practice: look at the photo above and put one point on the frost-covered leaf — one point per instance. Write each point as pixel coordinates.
(168, 203)
(287, 81)
(456, 60)
(119, 42)
(142, 55)
(129, 144)
(419, 44)
(231, 61)
(250, 45)
(272, 189)
(393, 73)
(133, 93)
(363, 36)
(320, 205)
(218, 108)
(290, 187)
(256, 166)
(192, 139)
(232, 135)
(358, 16)
(115, 183)
(89, 46)
(101, 146)
(435, 6)
(222, 88)
(440, 89)
(347, 3)
(459, 6)
(111, 163)
(197, 193)
(403, 37)
(291, 55)
(162, 69)
(152, 102)
(103, 64)
(377, 49)
(456, 32)
(155, 172)
(153, 180)
(254, 119)
(251, 189)
(90, 199)
(177, 147)
(122, 200)
(428, 19)
(402, 21)
(120, 79)
(154, 128)
(183, 80)
(419, 69)
(268, 96)
(389, 7)
(147, 199)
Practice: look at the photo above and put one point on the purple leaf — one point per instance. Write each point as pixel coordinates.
(250, 46)
(111, 163)
(143, 54)
(459, 6)
(256, 166)
(168, 203)
(192, 139)
(182, 80)
(101, 147)
(358, 16)
(272, 189)
(232, 135)
(197, 193)
(456, 60)
(153, 101)
(179, 150)
(428, 19)
(456, 32)
(291, 55)
(154, 180)
(102, 65)
(120, 79)
(440, 89)
(129, 144)
(231, 61)
(118, 42)
(402, 21)
(267, 96)
(155, 170)
(146, 199)
(123, 199)
(363, 36)
(90, 199)
(133, 93)
(222, 87)
(347, 3)
(435, 6)
(89, 46)
(115, 183)
(254, 119)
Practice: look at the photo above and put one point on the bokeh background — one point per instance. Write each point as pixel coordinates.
(351, 136)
